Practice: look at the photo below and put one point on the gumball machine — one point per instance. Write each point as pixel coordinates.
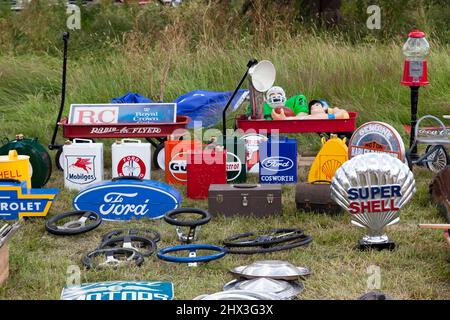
(415, 75)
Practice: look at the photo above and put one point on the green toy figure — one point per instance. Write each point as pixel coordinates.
(276, 97)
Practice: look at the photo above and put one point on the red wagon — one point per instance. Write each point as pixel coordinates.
(342, 126)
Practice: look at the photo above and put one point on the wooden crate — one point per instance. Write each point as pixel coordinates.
(4, 264)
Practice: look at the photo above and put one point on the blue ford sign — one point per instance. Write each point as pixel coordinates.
(125, 199)
(277, 164)
(120, 290)
(278, 161)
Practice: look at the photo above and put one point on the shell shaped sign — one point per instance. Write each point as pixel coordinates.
(126, 199)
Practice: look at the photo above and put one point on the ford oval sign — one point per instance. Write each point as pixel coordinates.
(277, 164)
(125, 199)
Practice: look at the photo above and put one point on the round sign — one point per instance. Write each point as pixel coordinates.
(131, 166)
(376, 137)
(178, 166)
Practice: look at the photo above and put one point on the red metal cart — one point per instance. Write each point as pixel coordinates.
(342, 126)
(155, 133)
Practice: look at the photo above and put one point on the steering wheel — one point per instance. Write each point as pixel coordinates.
(74, 226)
(114, 257)
(141, 243)
(191, 248)
(149, 233)
(276, 240)
(194, 225)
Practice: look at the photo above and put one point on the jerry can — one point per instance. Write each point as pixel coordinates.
(331, 156)
(176, 152)
(205, 167)
(236, 159)
(83, 163)
(16, 167)
(40, 161)
(278, 160)
(131, 158)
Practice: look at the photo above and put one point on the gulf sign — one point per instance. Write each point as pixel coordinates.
(16, 201)
(127, 199)
(374, 199)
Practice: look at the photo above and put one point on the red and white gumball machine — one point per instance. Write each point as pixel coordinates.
(415, 50)
(415, 75)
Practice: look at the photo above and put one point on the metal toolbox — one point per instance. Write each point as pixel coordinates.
(315, 197)
(244, 199)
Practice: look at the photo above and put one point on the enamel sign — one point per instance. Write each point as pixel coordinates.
(126, 199)
(120, 290)
(94, 114)
(16, 201)
(376, 137)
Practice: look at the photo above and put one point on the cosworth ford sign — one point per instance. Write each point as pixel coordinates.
(127, 199)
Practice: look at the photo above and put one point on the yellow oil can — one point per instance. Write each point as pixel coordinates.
(331, 156)
(16, 167)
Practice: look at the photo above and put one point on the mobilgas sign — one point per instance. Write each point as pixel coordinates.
(122, 113)
(16, 201)
(120, 290)
(125, 199)
(374, 198)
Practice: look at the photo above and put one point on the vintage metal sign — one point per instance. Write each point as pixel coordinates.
(120, 290)
(376, 137)
(17, 201)
(125, 199)
(95, 114)
(372, 188)
(278, 162)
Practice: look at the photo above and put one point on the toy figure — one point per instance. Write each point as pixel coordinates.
(318, 109)
(276, 100)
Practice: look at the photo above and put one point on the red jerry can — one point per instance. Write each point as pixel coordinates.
(205, 167)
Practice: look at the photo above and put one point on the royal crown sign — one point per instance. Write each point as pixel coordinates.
(125, 199)
(17, 201)
(120, 290)
(376, 137)
(122, 113)
(373, 188)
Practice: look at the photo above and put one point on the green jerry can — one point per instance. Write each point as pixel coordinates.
(40, 161)
(236, 164)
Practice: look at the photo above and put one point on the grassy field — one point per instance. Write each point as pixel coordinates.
(359, 77)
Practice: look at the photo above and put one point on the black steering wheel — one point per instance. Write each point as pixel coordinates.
(114, 257)
(149, 233)
(194, 225)
(274, 240)
(143, 245)
(87, 221)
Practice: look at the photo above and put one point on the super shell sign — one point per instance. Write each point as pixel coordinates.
(16, 201)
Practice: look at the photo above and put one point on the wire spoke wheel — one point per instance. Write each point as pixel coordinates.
(437, 159)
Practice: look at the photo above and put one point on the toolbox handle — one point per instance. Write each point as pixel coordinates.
(126, 178)
(75, 140)
(130, 140)
(245, 186)
(321, 181)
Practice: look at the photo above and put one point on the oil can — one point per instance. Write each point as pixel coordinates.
(278, 160)
(16, 167)
(131, 157)
(176, 152)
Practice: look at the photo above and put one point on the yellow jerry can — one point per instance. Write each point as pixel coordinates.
(331, 156)
(15, 167)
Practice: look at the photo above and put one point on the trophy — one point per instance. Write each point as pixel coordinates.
(373, 187)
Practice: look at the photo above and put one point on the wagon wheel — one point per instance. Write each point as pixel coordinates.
(159, 157)
(59, 159)
(437, 159)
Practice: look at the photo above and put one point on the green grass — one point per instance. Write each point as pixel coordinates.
(363, 78)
